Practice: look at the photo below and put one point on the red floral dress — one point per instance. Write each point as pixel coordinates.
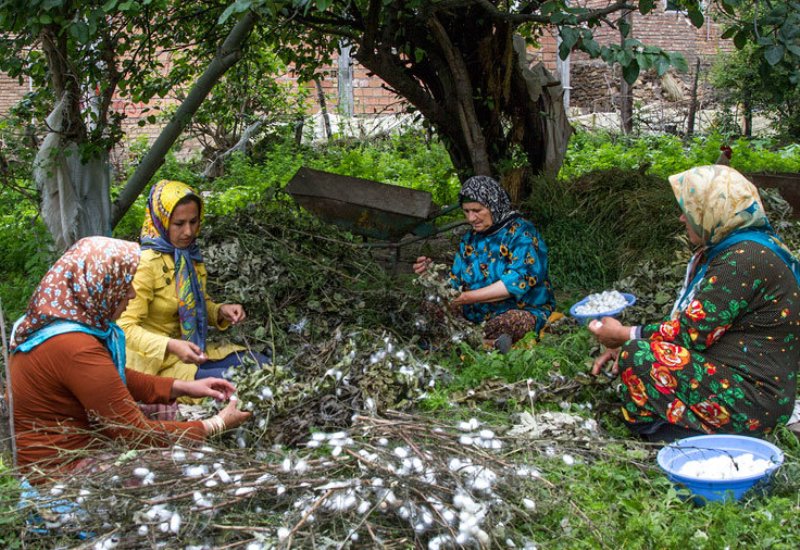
(729, 362)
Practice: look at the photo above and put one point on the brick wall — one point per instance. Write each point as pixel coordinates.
(595, 85)
(11, 91)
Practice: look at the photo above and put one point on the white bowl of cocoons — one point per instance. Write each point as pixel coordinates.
(608, 303)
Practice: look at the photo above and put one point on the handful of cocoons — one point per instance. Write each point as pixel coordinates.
(602, 302)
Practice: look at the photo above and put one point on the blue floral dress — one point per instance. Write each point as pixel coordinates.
(515, 254)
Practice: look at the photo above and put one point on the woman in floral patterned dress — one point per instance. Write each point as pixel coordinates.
(726, 359)
(500, 267)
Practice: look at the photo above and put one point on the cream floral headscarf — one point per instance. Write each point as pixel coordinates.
(718, 200)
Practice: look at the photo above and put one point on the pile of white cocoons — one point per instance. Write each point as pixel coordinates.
(602, 302)
(725, 467)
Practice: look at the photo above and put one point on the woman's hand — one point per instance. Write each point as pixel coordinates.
(604, 358)
(217, 388)
(187, 352)
(233, 313)
(463, 299)
(232, 416)
(610, 332)
(422, 264)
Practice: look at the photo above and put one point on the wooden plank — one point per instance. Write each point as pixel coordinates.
(367, 193)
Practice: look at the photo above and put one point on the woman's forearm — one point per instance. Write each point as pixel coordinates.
(178, 389)
(495, 292)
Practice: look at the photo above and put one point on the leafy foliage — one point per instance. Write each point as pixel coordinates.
(663, 155)
(765, 89)
(773, 30)
(100, 51)
(250, 96)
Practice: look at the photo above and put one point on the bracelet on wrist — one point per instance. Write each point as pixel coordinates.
(214, 425)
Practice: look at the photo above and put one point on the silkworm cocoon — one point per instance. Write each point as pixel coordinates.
(175, 523)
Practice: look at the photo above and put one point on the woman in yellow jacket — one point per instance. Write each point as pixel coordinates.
(167, 323)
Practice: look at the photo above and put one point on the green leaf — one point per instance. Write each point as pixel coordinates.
(740, 40)
(591, 47)
(569, 36)
(728, 7)
(729, 32)
(774, 54)
(630, 72)
(624, 28)
(696, 16)
(646, 6)
(679, 62)
(419, 54)
(80, 31)
(563, 51)
(226, 14)
(662, 65)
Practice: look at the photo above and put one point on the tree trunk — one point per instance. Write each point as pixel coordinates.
(227, 55)
(484, 110)
(323, 109)
(548, 129)
(748, 115)
(693, 104)
(626, 91)
(75, 191)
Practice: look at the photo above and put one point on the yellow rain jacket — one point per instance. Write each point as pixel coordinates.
(151, 319)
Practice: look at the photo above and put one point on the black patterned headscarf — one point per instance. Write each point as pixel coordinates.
(489, 193)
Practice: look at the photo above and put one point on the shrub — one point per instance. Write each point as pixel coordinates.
(599, 226)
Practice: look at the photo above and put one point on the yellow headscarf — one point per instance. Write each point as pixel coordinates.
(155, 235)
(163, 198)
(718, 200)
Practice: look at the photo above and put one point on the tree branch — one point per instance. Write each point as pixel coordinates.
(519, 18)
(228, 54)
(466, 106)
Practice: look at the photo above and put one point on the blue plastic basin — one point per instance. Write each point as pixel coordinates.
(631, 299)
(702, 447)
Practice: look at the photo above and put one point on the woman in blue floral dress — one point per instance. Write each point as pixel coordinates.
(726, 359)
(500, 267)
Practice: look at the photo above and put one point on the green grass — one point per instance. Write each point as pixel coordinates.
(599, 227)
